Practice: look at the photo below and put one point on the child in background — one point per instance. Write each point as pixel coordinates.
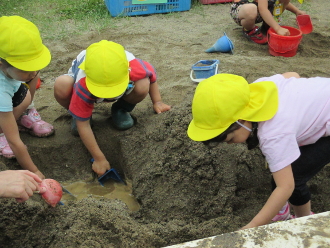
(247, 13)
(22, 56)
(288, 116)
(105, 72)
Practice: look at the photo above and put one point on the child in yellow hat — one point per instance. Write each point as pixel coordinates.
(247, 13)
(22, 50)
(22, 56)
(287, 116)
(105, 72)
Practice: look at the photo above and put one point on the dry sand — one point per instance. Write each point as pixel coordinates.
(185, 190)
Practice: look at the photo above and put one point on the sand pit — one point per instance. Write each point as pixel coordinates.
(185, 190)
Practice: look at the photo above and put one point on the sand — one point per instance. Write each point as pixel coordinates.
(185, 190)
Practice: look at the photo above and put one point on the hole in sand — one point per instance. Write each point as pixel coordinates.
(110, 190)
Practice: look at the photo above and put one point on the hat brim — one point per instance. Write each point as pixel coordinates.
(107, 91)
(199, 134)
(262, 106)
(263, 103)
(34, 64)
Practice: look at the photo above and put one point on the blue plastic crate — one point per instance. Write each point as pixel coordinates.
(126, 8)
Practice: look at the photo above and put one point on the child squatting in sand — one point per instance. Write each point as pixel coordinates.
(22, 56)
(105, 72)
(288, 116)
(247, 13)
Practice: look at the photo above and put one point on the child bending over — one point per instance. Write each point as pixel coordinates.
(105, 72)
(287, 116)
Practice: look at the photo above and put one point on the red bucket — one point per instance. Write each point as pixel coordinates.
(285, 46)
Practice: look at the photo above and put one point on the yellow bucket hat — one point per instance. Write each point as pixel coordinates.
(21, 44)
(222, 99)
(106, 68)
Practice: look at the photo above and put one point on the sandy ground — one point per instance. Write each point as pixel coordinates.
(185, 190)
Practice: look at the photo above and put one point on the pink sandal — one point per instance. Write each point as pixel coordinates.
(294, 217)
(285, 215)
(5, 149)
(33, 124)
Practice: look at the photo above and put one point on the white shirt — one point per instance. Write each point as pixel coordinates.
(302, 118)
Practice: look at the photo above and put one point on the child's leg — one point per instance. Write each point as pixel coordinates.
(63, 88)
(312, 159)
(248, 14)
(33, 84)
(140, 91)
(20, 105)
(30, 121)
(303, 210)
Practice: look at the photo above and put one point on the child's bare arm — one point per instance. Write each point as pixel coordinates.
(267, 16)
(100, 164)
(290, 7)
(156, 99)
(284, 188)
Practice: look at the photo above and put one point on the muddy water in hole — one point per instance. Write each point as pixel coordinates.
(110, 190)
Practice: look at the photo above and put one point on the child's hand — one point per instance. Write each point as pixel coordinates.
(283, 31)
(100, 167)
(250, 225)
(161, 107)
(40, 174)
(18, 184)
(300, 12)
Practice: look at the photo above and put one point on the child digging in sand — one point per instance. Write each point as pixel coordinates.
(288, 116)
(105, 72)
(22, 56)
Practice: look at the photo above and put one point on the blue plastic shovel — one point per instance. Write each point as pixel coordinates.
(112, 173)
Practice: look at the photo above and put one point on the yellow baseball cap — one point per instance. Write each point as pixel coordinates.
(106, 68)
(222, 99)
(21, 44)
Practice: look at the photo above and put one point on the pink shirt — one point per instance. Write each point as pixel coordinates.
(302, 118)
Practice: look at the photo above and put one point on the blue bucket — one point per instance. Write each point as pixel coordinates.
(204, 69)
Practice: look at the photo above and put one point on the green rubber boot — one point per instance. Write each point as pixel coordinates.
(121, 118)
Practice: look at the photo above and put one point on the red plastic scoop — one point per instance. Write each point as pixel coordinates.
(53, 192)
(305, 23)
